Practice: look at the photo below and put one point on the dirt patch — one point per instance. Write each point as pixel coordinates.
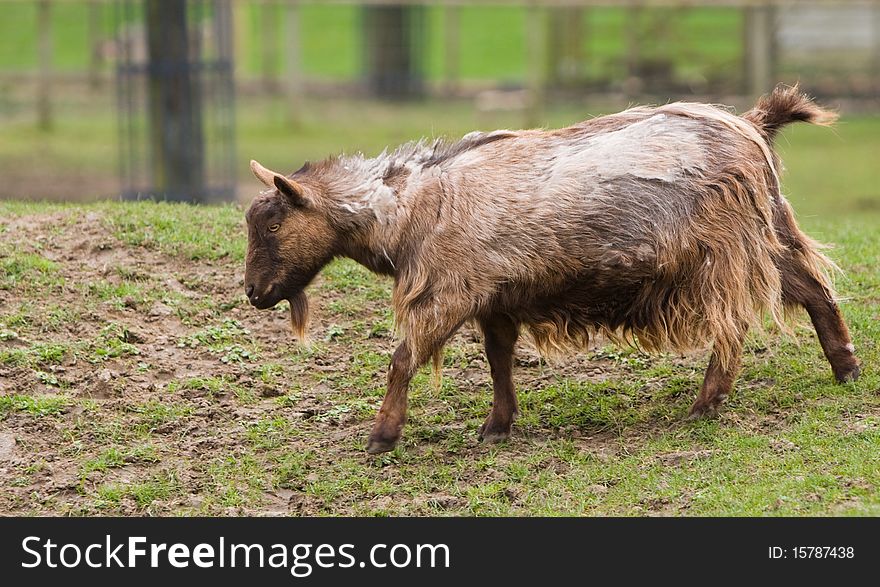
(7, 446)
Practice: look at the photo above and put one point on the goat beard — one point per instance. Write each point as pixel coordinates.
(299, 315)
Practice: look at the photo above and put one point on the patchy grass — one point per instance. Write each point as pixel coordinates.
(195, 234)
(28, 271)
(135, 380)
(115, 457)
(36, 406)
(140, 496)
(154, 414)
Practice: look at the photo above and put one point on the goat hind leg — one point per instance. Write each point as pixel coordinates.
(500, 338)
(799, 287)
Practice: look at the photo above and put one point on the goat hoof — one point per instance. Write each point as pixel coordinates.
(490, 434)
(494, 437)
(700, 410)
(848, 375)
(377, 445)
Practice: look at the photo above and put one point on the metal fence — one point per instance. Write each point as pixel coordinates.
(386, 44)
(71, 58)
(175, 99)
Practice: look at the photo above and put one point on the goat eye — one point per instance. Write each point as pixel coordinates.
(274, 227)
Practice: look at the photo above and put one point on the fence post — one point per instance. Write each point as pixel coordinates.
(536, 45)
(269, 41)
(452, 48)
(44, 84)
(95, 35)
(395, 42)
(875, 62)
(293, 79)
(759, 49)
(175, 104)
(566, 53)
(634, 84)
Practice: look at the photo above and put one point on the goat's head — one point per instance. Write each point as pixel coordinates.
(290, 239)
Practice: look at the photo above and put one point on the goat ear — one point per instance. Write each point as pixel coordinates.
(289, 188)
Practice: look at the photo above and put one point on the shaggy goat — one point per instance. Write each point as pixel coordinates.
(663, 225)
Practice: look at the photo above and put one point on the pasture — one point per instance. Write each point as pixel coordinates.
(136, 380)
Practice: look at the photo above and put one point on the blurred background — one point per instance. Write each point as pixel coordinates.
(172, 98)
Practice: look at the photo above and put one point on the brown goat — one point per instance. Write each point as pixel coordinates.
(660, 225)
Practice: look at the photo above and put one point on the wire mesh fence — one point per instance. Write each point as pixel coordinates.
(175, 99)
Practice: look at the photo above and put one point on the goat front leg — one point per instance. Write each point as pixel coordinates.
(392, 415)
(420, 344)
(718, 382)
(412, 353)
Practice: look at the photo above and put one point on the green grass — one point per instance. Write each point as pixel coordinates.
(34, 406)
(143, 494)
(69, 35)
(27, 270)
(38, 354)
(154, 414)
(116, 457)
(196, 233)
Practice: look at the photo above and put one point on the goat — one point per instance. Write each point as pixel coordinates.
(662, 225)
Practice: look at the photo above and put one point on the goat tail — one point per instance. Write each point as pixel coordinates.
(784, 105)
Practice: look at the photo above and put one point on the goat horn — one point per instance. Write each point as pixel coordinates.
(264, 175)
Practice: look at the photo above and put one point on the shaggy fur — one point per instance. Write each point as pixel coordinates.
(661, 226)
